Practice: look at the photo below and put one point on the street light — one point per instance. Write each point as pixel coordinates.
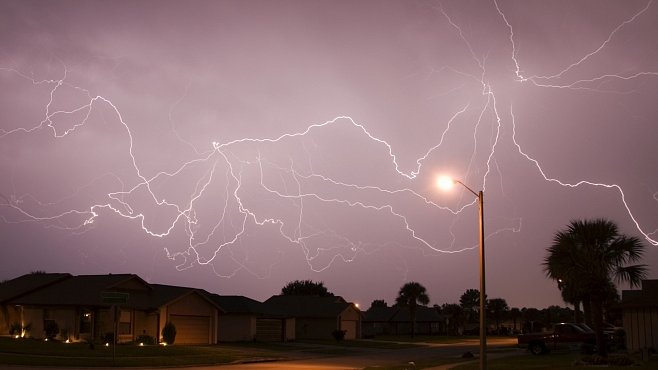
(446, 183)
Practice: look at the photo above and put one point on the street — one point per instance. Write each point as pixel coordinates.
(363, 357)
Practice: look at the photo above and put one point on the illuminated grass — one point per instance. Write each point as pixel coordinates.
(36, 352)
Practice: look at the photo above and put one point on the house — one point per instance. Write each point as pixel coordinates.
(11, 321)
(428, 321)
(640, 316)
(195, 316)
(87, 307)
(397, 320)
(377, 321)
(317, 317)
(245, 319)
(239, 318)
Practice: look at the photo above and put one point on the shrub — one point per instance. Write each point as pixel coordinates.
(108, 337)
(338, 334)
(15, 329)
(146, 339)
(51, 328)
(169, 333)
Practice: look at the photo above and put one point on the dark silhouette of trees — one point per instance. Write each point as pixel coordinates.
(305, 287)
(498, 308)
(379, 303)
(590, 254)
(531, 319)
(515, 315)
(470, 302)
(455, 314)
(410, 295)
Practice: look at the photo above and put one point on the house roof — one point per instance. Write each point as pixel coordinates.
(423, 314)
(306, 306)
(80, 290)
(25, 284)
(237, 304)
(88, 290)
(163, 295)
(380, 314)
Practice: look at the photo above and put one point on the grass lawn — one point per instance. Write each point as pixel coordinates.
(37, 352)
(552, 361)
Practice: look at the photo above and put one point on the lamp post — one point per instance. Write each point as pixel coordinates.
(446, 183)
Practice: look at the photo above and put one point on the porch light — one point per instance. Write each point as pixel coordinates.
(141, 344)
(107, 344)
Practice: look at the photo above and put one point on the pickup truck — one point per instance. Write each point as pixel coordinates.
(562, 335)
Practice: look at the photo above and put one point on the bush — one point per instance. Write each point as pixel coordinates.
(146, 339)
(51, 328)
(15, 329)
(338, 334)
(169, 333)
(108, 338)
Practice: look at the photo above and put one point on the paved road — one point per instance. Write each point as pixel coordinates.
(363, 357)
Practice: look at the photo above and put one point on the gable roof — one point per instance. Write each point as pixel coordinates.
(306, 306)
(163, 295)
(423, 314)
(79, 290)
(380, 314)
(28, 283)
(237, 304)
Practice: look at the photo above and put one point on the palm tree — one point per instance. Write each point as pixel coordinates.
(591, 254)
(571, 293)
(410, 295)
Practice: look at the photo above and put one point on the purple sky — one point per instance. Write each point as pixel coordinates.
(238, 145)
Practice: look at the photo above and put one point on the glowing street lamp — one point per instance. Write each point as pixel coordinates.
(447, 183)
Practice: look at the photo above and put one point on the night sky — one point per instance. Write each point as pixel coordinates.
(238, 145)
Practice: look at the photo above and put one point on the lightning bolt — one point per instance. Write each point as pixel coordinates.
(224, 166)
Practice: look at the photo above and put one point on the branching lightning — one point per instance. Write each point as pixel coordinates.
(225, 170)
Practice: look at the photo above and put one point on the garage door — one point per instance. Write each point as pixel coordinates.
(349, 327)
(269, 330)
(191, 329)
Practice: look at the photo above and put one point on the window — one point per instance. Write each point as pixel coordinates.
(125, 323)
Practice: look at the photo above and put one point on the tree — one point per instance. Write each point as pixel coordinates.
(531, 320)
(591, 254)
(470, 302)
(410, 295)
(378, 303)
(455, 313)
(498, 307)
(514, 314)
(573, 294)
(305, 287)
